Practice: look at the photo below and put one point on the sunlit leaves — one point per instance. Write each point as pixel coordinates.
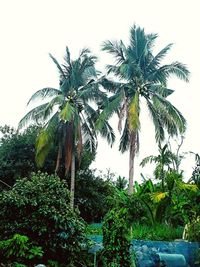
(109, 108)
(158, 196)
(45, 140)
(133, 116)
(67, 112)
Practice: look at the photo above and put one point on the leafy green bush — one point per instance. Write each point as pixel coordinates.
(39, 208)
(91, 195)
(17, 155)
(116, 234)
(193, 230)
(19, 248)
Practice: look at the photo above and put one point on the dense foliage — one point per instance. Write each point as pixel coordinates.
(38, 207)
(116, 234)
(91, 195)
(17, 155)
(19, 249)
(38, 218)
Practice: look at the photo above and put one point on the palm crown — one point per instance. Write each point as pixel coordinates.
(141, 75)
(68, 116)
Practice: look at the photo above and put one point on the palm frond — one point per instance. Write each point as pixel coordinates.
(171, 114)
(84, 52)
(45, 140)
(43, 93)
(33, 116)
(89, 138)
(158, 124)
(54, 103)
(65, 86)
(125, 139)
(67, 57)
(91, 92)
(139, 44)
(114, 70)
(176, 68)
(160, 89)
(155, 62)
(122, 113)
(91, 113)
(133, 113)
(116, 49)
(109, 109)
(109, 85)
(148, 159)
(67, 112)
(63, 76)
(108, 133)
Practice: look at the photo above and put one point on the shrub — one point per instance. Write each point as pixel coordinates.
(116, 234)
(91, 195)
(193, 230)
(19, 248)
(39, 208)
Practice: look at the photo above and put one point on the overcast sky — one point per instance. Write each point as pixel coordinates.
(30, 29)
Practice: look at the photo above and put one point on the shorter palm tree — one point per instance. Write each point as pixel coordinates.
(68, 116)
(163, 162)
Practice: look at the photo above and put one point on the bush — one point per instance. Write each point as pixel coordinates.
(19, 248)
(39, 208)
(193, 230)
(91, 195)
(116, 234)
(17, 155)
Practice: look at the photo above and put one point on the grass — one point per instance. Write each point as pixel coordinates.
(158, 232)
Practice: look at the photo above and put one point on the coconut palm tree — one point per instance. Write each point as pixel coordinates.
(67, 115)
(163, 162)
(140, 76)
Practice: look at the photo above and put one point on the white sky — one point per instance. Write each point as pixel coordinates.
(30, 29)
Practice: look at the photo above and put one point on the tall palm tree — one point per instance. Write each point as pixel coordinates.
(68, 115)
(141, 75)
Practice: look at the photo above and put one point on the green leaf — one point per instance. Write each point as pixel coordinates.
(66, 114)
(133, 116)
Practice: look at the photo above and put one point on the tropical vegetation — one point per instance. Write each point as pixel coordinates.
(52, 202)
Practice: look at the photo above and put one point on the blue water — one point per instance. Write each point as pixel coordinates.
(170, 251)
(187, 249)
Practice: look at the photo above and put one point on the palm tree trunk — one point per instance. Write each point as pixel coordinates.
(72, 187)
(59, 156)
(131, 161)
